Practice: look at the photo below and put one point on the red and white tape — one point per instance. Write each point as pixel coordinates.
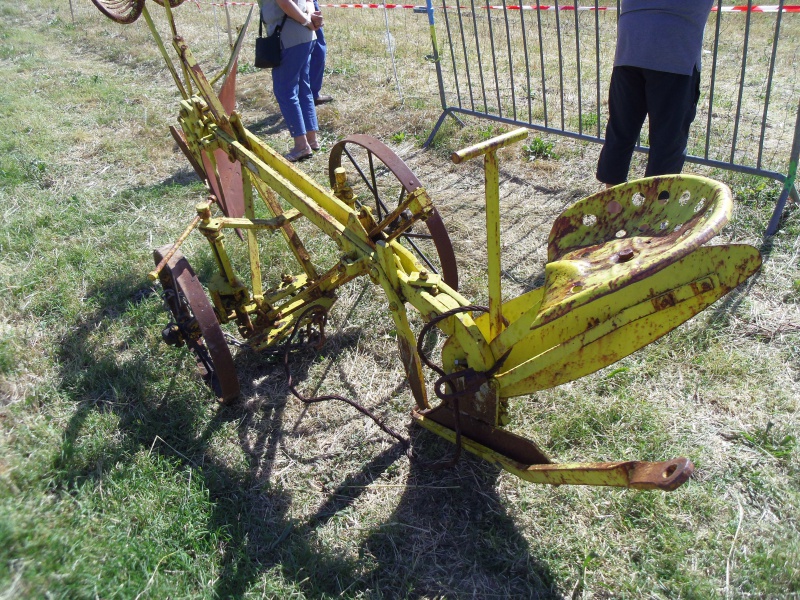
(755, 9)
(412, 6)
(731, 9)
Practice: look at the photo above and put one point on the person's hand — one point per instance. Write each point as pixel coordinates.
(316, 20)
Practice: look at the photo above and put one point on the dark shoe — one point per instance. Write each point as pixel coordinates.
(315, 148)
(322, 100)
(293, 157)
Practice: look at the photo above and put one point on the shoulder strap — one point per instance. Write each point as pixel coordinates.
(261, 23)
(282, 23)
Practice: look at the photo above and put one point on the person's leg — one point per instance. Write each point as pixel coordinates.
(626, 114)
(317, 70)
(285, 85)
(318, 57)
(672, 106)
(307, 106)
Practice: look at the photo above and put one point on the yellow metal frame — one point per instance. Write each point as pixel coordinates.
(625, 266)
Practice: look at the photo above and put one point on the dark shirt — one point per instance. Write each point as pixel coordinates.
(664, 35)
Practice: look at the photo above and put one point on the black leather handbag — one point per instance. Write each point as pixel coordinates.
(268, 49)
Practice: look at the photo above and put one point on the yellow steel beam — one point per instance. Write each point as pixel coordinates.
(385, 271)
(252, 242)
(667, 475)
(163, 50)
(489, 150)
(322, 196)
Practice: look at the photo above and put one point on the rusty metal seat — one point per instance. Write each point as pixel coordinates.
(625, 266)
(626, 233)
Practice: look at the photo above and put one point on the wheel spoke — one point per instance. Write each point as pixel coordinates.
(386, 172)
(419, 236)
(375, 193)
(422, 255)
(360, 172)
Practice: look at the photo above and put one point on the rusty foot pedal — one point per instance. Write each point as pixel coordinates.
(521, 457)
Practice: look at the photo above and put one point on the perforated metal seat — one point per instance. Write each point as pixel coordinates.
(627, 233)
(625, 266)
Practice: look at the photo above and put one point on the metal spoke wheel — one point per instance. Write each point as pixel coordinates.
(121, 11)
(380, 180)
(195, 324)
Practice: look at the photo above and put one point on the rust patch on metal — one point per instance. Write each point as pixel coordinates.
(180, 140)
(479, 398)
(196, 319)
(664, 301)
(667, 476)
(412, 367)
(517, 448)
(620, 236)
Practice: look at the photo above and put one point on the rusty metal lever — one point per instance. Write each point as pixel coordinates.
(521, 457)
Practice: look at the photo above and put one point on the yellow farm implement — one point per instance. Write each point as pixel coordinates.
(624, 267)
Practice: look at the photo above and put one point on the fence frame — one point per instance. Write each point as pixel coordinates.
(788, 178)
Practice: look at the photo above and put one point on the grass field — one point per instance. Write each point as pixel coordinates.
(121, 478)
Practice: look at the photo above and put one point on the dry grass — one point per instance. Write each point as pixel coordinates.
(295, 501)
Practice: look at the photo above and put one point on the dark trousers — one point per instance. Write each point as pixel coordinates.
(670, 100)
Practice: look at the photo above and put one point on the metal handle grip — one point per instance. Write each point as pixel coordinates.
(492, 145)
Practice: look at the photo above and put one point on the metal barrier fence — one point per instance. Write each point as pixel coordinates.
(548, 67)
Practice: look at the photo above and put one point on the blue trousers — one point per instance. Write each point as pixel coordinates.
(318, 55)
(670, 101)
(290, 83)
(317, 64)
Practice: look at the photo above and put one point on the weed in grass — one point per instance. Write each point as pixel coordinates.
(793, 295)
(589, 122)
(539, 148)
(755, 200)
(245, 68)
(8, 352)
(771, 440)
(416, 103)
(486, 132)
(442, 141)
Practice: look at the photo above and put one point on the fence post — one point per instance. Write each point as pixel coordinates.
(788, 183)
(439, 78)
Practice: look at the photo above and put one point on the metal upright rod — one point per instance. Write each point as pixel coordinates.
(788, 183)
(492, 178)
(228, 21)
(164, 55)
(432, 26)
(764, 120)
(489, 150)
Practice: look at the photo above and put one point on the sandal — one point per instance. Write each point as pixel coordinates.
(293, 157)
(315, 148)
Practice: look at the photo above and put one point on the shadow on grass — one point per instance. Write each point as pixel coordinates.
(449, 534)
(270, 125)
